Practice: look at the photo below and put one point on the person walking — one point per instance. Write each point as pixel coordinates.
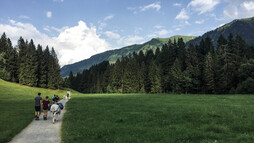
(45, 103)
(38, 103)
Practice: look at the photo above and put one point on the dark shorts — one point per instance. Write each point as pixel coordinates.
(37, 108)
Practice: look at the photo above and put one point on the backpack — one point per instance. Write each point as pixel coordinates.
(60, 105)
(49, 107)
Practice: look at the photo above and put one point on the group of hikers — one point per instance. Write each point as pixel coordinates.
(45, 104)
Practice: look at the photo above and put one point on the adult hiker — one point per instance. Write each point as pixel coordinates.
(55, 98)
(45, 103)
(38, 103)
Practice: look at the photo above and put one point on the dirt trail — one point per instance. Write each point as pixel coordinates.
(42, 131)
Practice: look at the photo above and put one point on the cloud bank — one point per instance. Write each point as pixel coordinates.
(72, 44)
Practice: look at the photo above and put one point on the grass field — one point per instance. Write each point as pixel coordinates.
(159, 118)
(17, 107)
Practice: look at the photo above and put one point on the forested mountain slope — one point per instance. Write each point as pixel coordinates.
(113, 55)
(242, 27)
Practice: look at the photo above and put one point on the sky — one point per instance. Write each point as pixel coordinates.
(78, 29)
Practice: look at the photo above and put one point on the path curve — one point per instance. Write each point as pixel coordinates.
(42, 131)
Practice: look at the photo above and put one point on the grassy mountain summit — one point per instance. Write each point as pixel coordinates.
(242, 27)
(113, 55)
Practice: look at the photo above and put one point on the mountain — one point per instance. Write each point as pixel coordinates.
(113, 55)
(242, 27)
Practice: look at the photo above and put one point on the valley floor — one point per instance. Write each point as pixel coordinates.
(159, 118)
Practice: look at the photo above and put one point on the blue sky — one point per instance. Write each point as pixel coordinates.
(78, 29)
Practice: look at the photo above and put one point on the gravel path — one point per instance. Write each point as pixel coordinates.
(42, 131)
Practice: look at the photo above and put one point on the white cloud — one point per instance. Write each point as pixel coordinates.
(130, 40)
(16, 29)
(155, 6)
(199, 21)
(248, 5)
(59, 29)
(158, 26)
(151, 36)
(231, 11)
(203, 6)
(182, 15)
(163, 32)
(49, 14)
(134, 9)
(58, 0)
(177, 4)
(178, 29)
(72, 45)
(109, 17)
(102, 25)
(238, 9)
(47, 28)
(112, 35)
(79, 42)
(137, 30)
(24, 17)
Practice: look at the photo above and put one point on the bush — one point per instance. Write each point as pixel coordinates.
(246, 87)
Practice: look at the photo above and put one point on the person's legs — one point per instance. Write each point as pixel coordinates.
(36, 115)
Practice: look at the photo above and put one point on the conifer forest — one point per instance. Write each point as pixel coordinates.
(175, 68)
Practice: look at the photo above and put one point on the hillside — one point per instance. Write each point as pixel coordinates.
(17, 107)
(113, 55)
(242, 27)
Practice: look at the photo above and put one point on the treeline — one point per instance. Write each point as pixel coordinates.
(28, 65)
(203, 68)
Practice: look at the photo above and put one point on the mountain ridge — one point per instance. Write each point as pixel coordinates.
(243, 27)
(113, 55)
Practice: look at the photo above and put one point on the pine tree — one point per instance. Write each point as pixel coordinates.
(154, 78)
(192, 69)
(31, 65)
(209, 73)
(130, 77)
(176, 76)
(45, 68)
(40, 61)
(54, 77)
(181, 51)
(4, 60)
(12, 66)
(142, 77)
(22, 61)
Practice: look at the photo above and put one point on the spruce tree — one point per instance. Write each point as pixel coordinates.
(45, 68)
(154, 77)
(192, 69)
(176, 77)
(40, 69)
(54, 77)
(209, 73)
(22, 61)
(32, 65)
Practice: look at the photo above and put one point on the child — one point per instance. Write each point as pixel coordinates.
(45, 108)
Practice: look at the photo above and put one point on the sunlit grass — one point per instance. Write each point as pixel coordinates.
(17, 107)
(159, 118)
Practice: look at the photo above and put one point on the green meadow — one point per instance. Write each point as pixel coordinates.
(17, 107)
(162, 118)
(135, 117)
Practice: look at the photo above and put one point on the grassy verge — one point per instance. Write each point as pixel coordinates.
(159, 118)
(17, 107)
